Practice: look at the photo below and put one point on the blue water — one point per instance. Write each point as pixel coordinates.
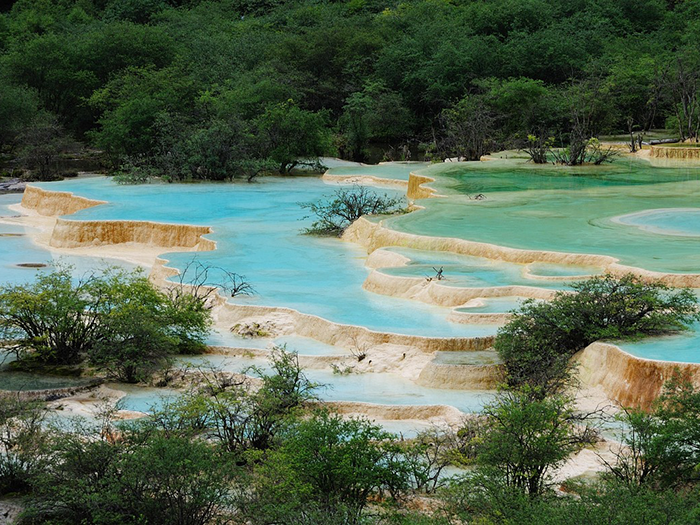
(17, 248)
(683, 347)
(299, 344)
(392, 170)
(478, 272)
(257, 230)
(682, 222)
(388, 389)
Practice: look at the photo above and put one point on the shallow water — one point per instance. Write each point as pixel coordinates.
(683, 347)
(682, 222)
(319, 276)
(642, 215)
(561, 209)
(292, 343)
(485, 357)
(478, 272)
(386, 389)
(21, 381)
(389, 170)
(17, 248)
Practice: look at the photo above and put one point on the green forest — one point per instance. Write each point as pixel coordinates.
(221, 89)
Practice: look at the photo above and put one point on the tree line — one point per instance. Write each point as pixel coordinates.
(192, 89)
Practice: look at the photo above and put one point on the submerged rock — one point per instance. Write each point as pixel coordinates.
(12, 186)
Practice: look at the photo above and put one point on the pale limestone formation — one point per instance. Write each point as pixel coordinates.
(365, 180)
(138, 242)
(423, 413)
(75, 234)
(626, 379)
(374, 236)
(417, 187)
(55, 203)
(290, 321)
(433, 292)
(386, 259)
(479, 318)
(461, 377)
(675, 153)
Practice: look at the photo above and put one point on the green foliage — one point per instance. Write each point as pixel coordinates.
(327, 466)
(662, 446)
(247, 415)
(527, 437)
(138, 479)
(49, 318)
(18, 106)
(117, 320)
(539, 148)
(537, 344)
(367, 72)
(483, 501)
(23, 439)
(375, 113)
(40, 146)
(66, 68)
(347, 205)
(289, 134)
(468, 130)
(140, 326)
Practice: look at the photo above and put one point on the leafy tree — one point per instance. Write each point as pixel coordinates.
(375, 113)
(348, 205)
(522, 105)
(685, 88)
(40, 147)
(589, 113)
(118, 320)
(66, 68)
(136, 107)
(527, 437)
(140, 327)
(289, 135)
(636, 83)
(327, 466)
(662, 447)
(468, 130)
(50, 318)
(537, 344)
(538, 148)
(138, 11)
(18, 106)
(139, 479)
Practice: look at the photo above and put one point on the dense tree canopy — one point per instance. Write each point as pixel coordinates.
(281, 80)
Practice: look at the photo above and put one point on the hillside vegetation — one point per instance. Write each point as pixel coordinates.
(232, 88)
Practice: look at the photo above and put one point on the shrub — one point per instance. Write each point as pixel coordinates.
(662, 446)
(22, 440)
(537, 344)
(325, 472)
(348, 205)
(526, 438)
(245, 416)
(116, 319)
(138, 479)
